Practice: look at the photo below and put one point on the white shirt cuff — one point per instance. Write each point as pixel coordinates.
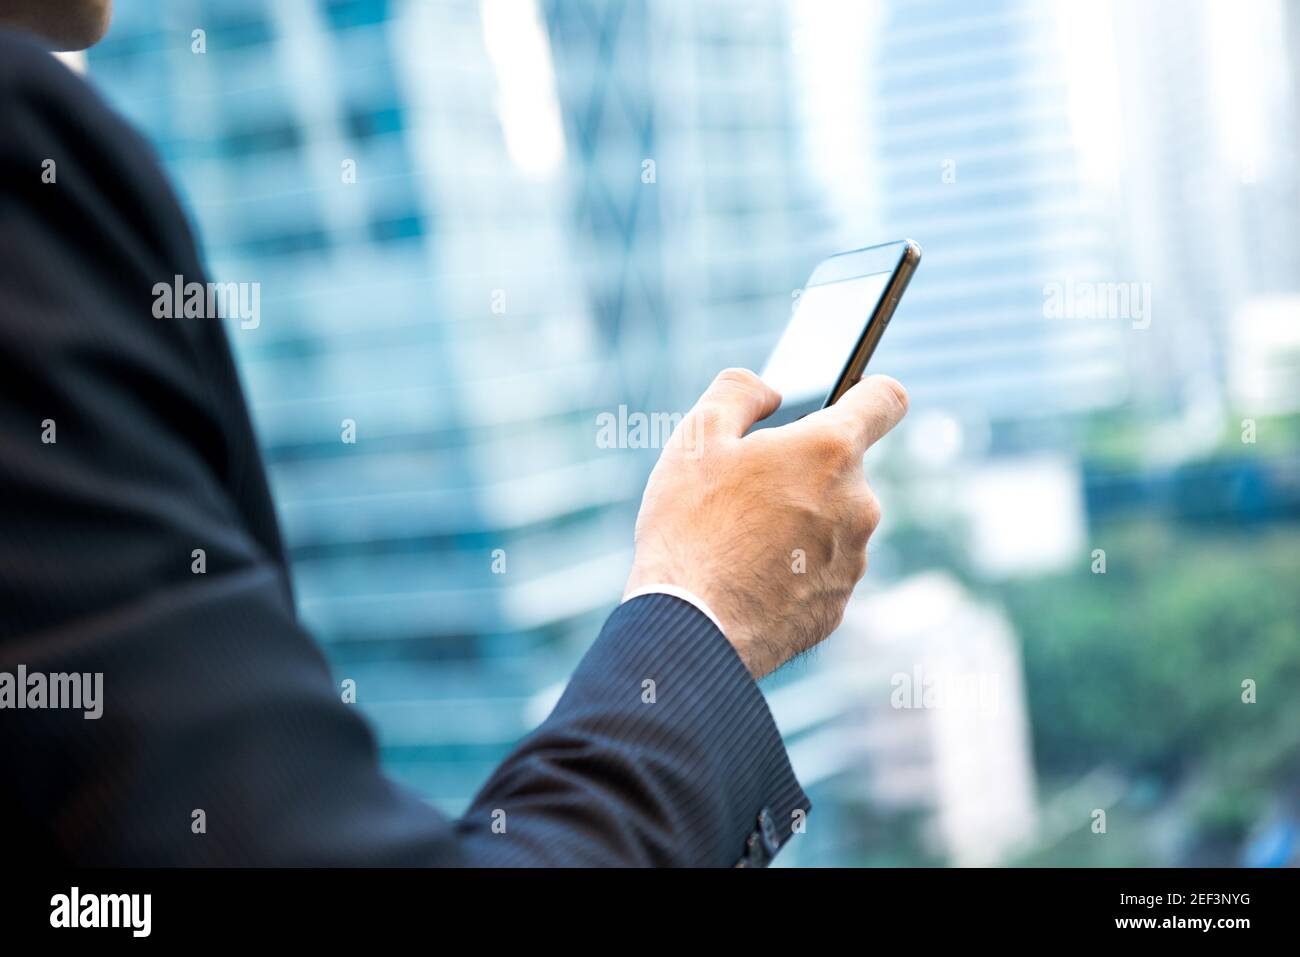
(683, 594)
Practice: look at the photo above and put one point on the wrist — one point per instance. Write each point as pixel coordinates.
(714, 606)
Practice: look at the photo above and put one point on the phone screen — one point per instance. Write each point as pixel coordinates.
(820, 337)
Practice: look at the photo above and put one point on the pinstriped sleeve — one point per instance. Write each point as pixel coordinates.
(662, 751)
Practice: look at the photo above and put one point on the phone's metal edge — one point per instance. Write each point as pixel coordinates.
(833, 268)
(875, 327)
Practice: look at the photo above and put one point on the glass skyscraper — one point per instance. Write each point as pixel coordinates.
(476, 228)
(480, 226)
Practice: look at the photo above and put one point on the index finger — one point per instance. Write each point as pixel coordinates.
(736, 400)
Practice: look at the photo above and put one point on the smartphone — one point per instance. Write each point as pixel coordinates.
(840, 316)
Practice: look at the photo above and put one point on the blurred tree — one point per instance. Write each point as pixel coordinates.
(1142, 668)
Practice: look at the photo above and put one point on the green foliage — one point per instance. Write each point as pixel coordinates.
(1142, 668)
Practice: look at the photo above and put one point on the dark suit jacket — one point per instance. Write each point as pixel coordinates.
(215, 697)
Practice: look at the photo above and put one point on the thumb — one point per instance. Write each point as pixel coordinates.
(870, 409)
(735, 400)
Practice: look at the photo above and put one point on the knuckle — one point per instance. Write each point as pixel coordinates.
(860, 565)
(705, 420)
(736, 376)
(871, 510)
(835, 447)
(737, 380)
(861, 515)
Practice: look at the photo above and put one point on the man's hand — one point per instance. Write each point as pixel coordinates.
(770, 530)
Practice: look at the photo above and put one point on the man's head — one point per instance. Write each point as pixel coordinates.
(61, 24)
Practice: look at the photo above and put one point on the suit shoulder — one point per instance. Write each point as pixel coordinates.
(27, 70)
(107, 172)
(43, 102)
